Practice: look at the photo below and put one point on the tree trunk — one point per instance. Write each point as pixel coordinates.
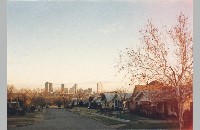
(180, 109)
(181, 123)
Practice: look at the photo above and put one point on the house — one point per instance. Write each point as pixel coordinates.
(108, 99)
(117, 101)
(125, 99)
(154, 100)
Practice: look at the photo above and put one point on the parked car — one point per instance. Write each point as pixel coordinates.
(85, 104)
(92, 105)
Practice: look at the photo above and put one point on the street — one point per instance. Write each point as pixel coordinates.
(60, 119)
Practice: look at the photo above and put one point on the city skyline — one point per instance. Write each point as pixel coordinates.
(78, 42)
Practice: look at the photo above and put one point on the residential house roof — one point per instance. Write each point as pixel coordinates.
(155, 96)
(110, 96)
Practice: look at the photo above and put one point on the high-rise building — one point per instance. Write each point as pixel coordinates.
(50, 87)
(99, 87)
(73, 90)
(85, 91)
(88, 91)
(46, 87)
(80, 90)
(66, 90)
(62, 87)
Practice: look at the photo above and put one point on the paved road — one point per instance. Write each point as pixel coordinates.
(60, 119)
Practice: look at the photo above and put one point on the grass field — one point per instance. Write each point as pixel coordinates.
(28, 119)
(141, 125)
(136, 122)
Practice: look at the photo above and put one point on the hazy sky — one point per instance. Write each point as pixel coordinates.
(78, 42)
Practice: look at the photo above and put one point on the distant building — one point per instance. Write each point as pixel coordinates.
(66, 90)
(88, 91)
(73, 90)
(50, 87)
(85, 91)
(46, 87)
(99, 87)
(80, 90)
(62, 88)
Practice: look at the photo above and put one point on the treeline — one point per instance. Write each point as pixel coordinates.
(21, 101)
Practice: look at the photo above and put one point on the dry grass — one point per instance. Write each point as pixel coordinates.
(136, 122)
(28, 119)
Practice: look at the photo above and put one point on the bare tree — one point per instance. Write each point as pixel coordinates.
(10, 92)
(166, 56)
(122, 92)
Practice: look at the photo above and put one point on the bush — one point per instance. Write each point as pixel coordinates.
(22, 112)
(92, 105)
(32, 108)
(80, 103)
(12, 111)
(85, 104)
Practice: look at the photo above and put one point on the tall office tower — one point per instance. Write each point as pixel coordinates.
(75, 88)
(50, 87)
(62, 87)
(71, 90)
(46, 87)
(80, 90)
(66, 90)
(99, 87)
(85, 91)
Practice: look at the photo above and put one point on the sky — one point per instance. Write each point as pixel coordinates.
(68, 42)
